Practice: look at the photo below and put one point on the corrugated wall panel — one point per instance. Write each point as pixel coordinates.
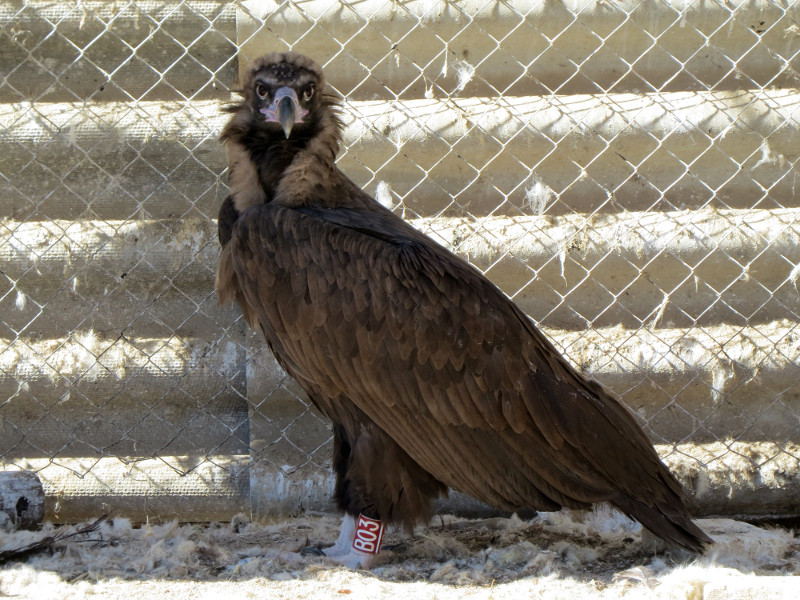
(103, 51)
(531, 47)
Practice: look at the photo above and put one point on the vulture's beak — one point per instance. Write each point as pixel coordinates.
(285, 110)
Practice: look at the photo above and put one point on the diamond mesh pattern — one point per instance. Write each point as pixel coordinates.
(625, 171)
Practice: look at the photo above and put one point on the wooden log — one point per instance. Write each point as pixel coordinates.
(21, 500)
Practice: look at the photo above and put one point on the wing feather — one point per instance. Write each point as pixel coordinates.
(367, 308)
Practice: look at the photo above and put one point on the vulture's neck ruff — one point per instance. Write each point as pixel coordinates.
(285, 129)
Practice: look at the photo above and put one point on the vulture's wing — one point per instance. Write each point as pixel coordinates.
(365, 308)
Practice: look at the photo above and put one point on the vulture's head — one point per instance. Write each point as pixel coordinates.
(284, 92)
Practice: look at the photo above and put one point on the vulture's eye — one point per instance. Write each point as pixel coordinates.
(262, 90)
(309, 92)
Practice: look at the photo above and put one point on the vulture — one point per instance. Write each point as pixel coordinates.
(431, 376)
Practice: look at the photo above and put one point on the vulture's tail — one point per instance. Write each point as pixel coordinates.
(671, 524)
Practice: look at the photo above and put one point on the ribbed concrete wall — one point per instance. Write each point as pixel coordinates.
(156, 50)
(571, 46)
(628, 180)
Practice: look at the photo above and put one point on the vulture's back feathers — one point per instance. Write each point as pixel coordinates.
(373, 317)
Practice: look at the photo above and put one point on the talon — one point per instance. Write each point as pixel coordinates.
(312, 551)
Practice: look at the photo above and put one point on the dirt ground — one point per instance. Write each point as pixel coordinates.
(599, 554)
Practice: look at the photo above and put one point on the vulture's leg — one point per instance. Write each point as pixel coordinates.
(377, 484)
(359, 540)
(345, 541)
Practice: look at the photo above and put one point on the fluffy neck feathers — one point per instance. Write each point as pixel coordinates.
(263, 166)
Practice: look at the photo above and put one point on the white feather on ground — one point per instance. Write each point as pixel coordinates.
(598, 554)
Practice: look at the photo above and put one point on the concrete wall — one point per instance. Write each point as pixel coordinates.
(625, 172)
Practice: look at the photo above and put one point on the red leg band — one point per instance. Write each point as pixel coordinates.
(368, 535)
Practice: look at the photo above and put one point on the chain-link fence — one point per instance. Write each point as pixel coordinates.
(625, 170)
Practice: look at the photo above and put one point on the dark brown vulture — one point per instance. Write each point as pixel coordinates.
(432, 377)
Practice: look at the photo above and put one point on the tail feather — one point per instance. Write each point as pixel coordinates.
(672, 524)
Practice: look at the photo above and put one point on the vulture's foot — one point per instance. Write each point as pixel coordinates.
(355, 559)
(344, 543)
(358, 544)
